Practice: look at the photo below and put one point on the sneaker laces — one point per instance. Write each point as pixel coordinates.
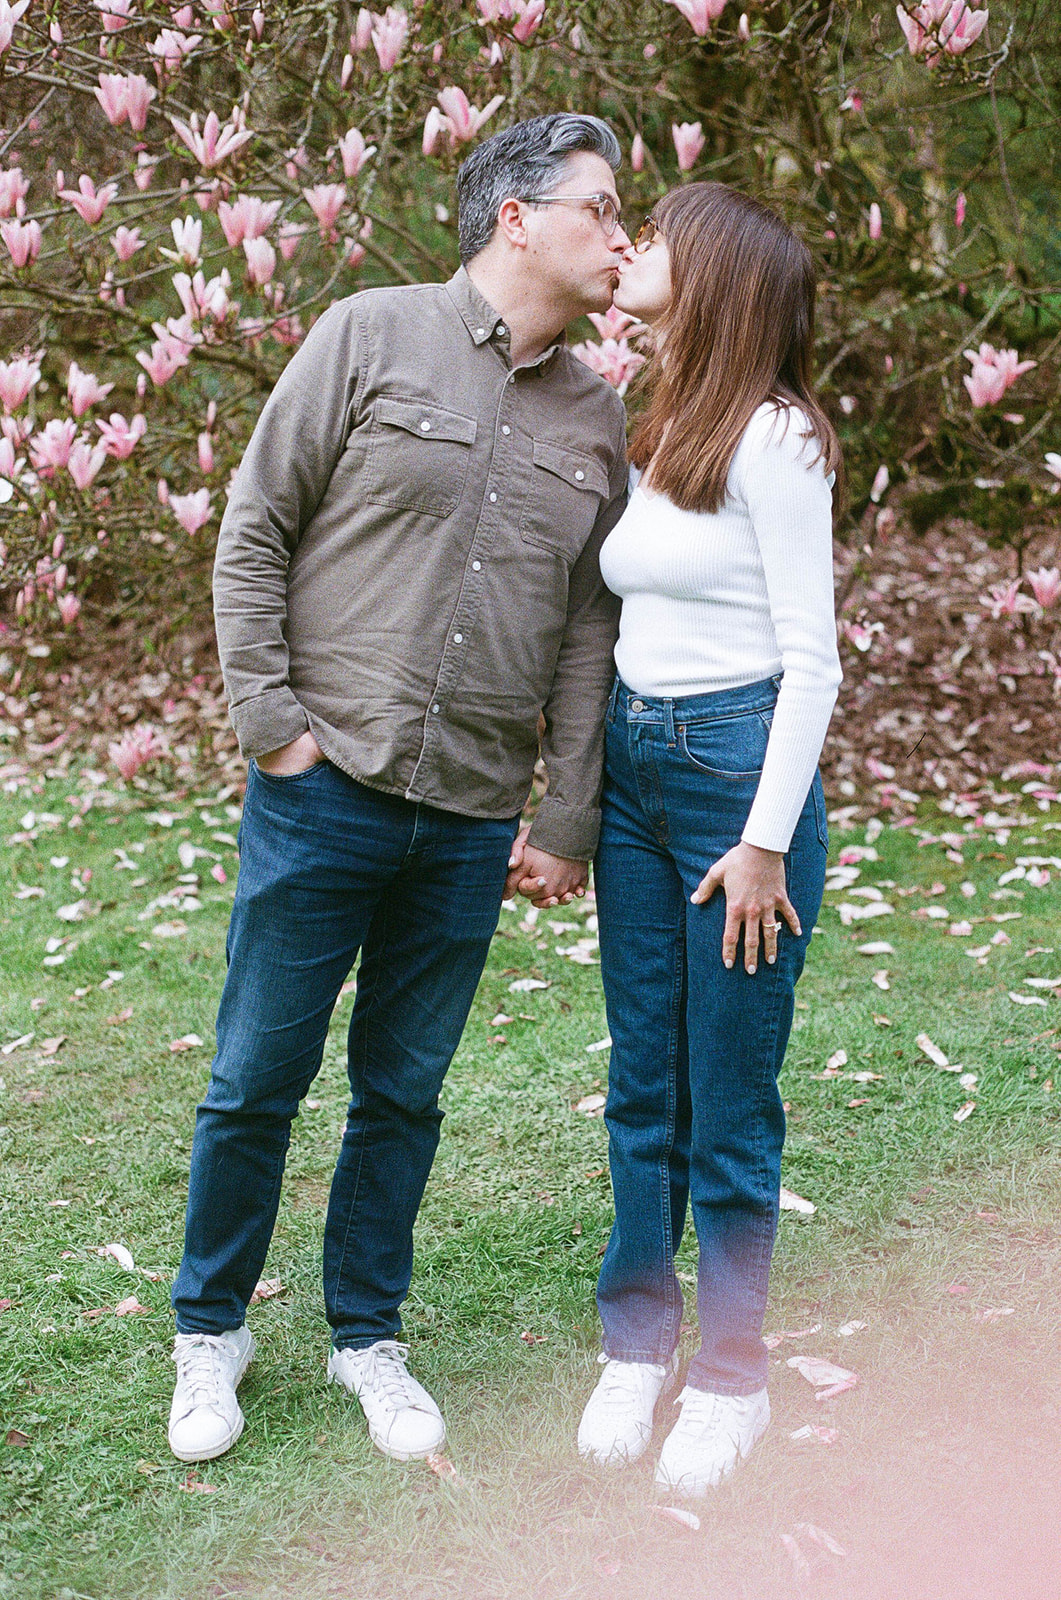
(618, 1380)
(199, 1367)
(383, 1366)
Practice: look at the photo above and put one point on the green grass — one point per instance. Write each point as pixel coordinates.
(94, 1143)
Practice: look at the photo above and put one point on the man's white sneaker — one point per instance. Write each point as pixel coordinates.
(617, 1422)
(403, 1420)
(713, 1433)
(205, 1418)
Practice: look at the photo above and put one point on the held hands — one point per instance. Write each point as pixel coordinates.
(298, 756)
(753, 881)
(545, 880)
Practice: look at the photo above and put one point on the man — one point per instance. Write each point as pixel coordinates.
(406, 581)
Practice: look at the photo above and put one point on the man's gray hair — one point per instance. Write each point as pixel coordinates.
(526, 159)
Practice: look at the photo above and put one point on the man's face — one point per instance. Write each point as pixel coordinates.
(568, 246)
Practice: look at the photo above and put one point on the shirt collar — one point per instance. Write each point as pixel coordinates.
(484, 323)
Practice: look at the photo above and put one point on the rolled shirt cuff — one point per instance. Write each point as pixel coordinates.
(268, 721)
(564, 831)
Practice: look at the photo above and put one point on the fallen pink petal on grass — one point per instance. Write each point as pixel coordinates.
(993, 1313)
(772, 1340)
(818, 1536)
(829, 1379)
(795, 1202)
(266, 1289)
(193, 1484)
(442, 1466)
(964, 1112)
(932, 1051)
(815, 1431)
(187, 1041)
(685, 1519)
(131, 1307)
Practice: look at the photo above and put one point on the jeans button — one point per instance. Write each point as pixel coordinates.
(637, 705)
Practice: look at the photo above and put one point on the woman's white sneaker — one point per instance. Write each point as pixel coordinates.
(617, 1422)
(205, 1418)
(713, 1433)
(403, 1420)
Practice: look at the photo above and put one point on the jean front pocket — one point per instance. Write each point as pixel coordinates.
(726, 747)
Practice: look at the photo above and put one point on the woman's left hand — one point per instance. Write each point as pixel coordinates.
(753, 881)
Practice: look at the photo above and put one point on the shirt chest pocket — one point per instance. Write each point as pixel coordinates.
(567, 490)
(417, 457)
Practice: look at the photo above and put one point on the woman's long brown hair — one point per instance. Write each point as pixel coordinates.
(739, 331)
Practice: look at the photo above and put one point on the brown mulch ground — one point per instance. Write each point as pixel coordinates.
(944, 698)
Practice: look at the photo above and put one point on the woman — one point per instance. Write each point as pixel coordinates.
(711, 862)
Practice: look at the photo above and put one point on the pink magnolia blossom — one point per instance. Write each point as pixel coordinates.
(247, 217)
(994, 371)
(17, 378)
(495, 10)
(9, 15)
(880, 483)
(291, 236)
(167, 355)
(126, 242)
(435, 125)
(170, 49)
(188, 237)
(688, 142)
(183, 17)
(220, 15)
(22, 239)
(51, 448)
(613, 359)
(346, 71)
(218, 140)
(69, 609)
(258, 22)
(389, 34)
(201, 299)
(876, 221)
(1053, 464)
(145, 170)
(611, 324)
(1046, 585)
(85, 461)
(84, 390)
(700, 14)
(120, 438)
(354, 152)
(962, 28)
(205, 448)
(192, 511)
(959, 211)
(134, 748)
(527, 18)
(325, 200)
(261, 261)
(361, 37)
(116, 13)
(461, 120)
(89, 203)
(744, 27)
(13, 188)
(1006, 600)
(935, 23)
(124, 96)
(637, 153)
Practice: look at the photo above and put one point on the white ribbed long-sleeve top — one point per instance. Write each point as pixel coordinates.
(714, 600)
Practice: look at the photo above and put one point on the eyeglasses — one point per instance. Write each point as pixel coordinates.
(603, 204)
(646, 236)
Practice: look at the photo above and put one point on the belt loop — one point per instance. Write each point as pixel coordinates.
(612, 698)
(668, 723)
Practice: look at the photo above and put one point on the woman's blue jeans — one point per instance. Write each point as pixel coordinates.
(329, 867)
(694, 1113)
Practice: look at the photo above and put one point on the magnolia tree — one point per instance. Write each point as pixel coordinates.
(184, 187)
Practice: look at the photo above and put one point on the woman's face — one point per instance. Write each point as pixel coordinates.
(644, 289)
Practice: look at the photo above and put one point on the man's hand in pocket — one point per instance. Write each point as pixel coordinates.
(298, 756)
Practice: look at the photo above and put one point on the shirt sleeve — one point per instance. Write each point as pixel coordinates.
(567, 822)
(282, 478)
(789, 499)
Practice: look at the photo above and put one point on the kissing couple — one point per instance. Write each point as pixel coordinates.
(434, 547)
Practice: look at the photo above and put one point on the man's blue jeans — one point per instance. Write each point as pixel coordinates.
(694, 1113)
(329, 867)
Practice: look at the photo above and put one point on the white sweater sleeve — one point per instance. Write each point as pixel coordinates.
(789, 500)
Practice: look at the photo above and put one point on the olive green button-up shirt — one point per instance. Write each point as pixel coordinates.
(408, 563)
